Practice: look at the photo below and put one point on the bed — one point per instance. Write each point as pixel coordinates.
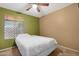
(32, 45)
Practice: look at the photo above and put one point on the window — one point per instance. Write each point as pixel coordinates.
(12, 28)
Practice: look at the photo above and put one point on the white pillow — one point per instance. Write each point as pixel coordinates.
(21, 36)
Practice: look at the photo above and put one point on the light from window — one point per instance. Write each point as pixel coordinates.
(12, 29)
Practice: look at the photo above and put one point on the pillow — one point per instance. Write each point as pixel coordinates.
(20, 36)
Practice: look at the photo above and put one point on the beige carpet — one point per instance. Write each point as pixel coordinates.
(60, 51)
(10, 52)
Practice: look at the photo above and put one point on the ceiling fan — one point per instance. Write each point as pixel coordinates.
(36, 5)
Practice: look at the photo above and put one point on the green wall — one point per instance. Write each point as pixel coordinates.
(31, 25)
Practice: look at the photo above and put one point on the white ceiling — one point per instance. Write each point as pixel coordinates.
(21, 7)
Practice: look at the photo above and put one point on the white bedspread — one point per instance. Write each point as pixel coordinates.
(35, 45)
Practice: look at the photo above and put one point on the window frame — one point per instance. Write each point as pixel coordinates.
(14, 25)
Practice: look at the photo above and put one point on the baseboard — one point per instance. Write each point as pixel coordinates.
(69, 48)
(7, 48)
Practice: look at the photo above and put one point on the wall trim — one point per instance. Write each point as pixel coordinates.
(7, 48)
(69, 48)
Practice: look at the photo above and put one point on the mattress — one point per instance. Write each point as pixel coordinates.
(35, 45)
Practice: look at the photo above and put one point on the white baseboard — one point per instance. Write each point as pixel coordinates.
(7, 48)
(69, 48)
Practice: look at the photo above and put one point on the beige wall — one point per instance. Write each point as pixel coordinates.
(62, 25)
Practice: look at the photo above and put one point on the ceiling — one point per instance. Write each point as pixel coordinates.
(21, 7)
